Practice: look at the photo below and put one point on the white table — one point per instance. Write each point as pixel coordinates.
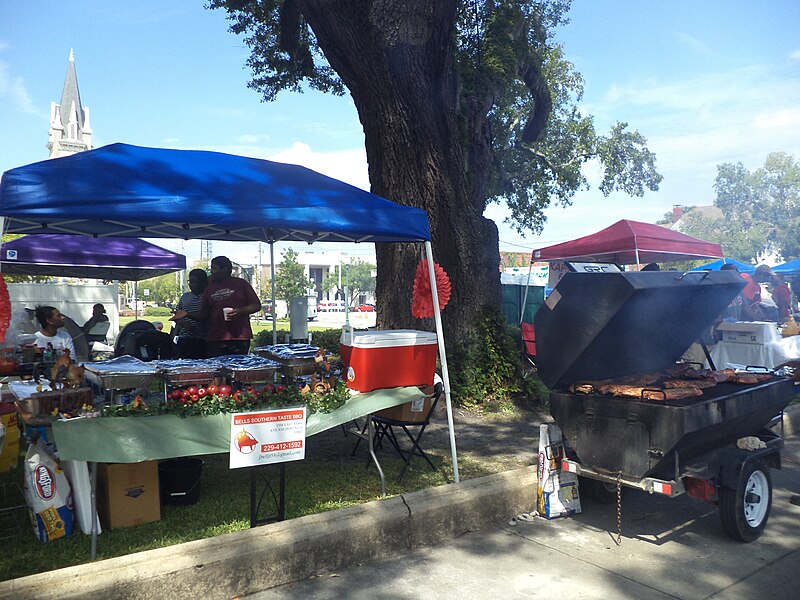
(775, 351)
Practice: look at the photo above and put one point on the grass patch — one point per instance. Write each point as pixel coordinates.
(326, 480)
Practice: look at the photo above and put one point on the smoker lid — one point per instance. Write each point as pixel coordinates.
(601, 325)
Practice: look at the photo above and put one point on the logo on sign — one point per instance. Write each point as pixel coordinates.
(11, 254)
(245, 442)
(45, 483)
(351, 374)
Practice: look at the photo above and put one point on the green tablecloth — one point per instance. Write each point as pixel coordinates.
(136, 439)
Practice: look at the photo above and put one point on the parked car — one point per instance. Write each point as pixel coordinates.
(363, 308)
(266, 308)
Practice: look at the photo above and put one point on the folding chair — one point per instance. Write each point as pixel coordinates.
(413, 429)
(98, 332)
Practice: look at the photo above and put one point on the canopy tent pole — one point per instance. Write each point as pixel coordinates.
(136, 299)
(437, 315)
(273, 308)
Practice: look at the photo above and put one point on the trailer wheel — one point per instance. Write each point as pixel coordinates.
(599, 491)
(745, 510)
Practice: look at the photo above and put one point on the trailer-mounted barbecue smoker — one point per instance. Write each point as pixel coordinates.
(608, 342)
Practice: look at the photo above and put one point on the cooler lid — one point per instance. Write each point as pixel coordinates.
(604, 325)
(390, 338)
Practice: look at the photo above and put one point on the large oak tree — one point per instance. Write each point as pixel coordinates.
(463, 103)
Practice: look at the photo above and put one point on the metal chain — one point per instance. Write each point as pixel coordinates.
(619, 508)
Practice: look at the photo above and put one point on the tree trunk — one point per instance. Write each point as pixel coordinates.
(396, 58)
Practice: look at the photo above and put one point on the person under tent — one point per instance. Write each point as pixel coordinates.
(96, 328)
(51, 335)
(228, 302)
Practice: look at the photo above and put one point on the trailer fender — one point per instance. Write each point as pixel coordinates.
(733, 460)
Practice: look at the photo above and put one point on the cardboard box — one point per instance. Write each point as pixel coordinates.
(410, 412)
(387, 359)
(128, 494)
(755, 332)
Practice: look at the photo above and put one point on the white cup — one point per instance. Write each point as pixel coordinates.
(227, 313)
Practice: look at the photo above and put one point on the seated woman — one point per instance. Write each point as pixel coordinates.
(50, 333)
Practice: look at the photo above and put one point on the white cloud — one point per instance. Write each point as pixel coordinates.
(795, 55)
(13, 90)
(349, 166)
(696, 45)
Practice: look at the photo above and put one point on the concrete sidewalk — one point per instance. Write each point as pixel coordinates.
(664, 540)
(670, 548)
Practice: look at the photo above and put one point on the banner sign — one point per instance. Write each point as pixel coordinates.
(267, 437)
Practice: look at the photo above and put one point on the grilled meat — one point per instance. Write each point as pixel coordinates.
(688, 383)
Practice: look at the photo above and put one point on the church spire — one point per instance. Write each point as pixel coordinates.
(69, 121)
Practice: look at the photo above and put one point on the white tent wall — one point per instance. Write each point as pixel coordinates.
(75, 301)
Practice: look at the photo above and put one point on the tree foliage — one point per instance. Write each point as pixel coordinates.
(163, 290)
(359, 278)
(290, 278)
(761, 210)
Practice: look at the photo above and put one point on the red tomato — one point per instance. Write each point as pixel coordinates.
(237, 395)
(195, 397)
(224, 394)
(251, 389)
(212, 389)
(224, 389)
(191, 389)
(186, 394)
(202, 392)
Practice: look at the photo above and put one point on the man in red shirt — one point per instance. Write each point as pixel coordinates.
(228, 302)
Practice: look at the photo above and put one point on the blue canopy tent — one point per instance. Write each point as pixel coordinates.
(717, 265)
(121, 190)
(789, 268)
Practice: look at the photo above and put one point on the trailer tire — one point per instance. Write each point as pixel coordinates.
(599, 491)
(744, 511)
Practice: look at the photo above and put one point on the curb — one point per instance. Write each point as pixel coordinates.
(245, 562)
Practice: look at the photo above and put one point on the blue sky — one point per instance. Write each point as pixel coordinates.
(706, 82)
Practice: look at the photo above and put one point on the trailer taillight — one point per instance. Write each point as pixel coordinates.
(702, 489)
(569, 466)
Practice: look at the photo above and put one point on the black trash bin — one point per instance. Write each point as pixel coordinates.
(180, 480)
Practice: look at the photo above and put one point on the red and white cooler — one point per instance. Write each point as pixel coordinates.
(387, 359)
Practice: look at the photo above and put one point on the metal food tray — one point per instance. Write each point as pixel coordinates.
(186, 371)
(122, 373)
(248, 367)
(296, 359)
(289, 355)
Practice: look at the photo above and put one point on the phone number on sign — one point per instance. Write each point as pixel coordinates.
(282, 446)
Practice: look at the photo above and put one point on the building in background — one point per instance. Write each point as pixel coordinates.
(70, 131)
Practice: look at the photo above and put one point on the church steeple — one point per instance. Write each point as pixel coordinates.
(70, 131)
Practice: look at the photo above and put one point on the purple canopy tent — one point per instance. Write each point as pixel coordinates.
(123, 259)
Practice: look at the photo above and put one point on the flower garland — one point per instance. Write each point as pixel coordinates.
(183, 404)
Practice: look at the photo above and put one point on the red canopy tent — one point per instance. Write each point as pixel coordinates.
(629, 243)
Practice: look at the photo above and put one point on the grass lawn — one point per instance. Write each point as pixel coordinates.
(325, 480)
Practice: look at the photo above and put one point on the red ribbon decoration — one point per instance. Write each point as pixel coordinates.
(5, 309)
(422, 298)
